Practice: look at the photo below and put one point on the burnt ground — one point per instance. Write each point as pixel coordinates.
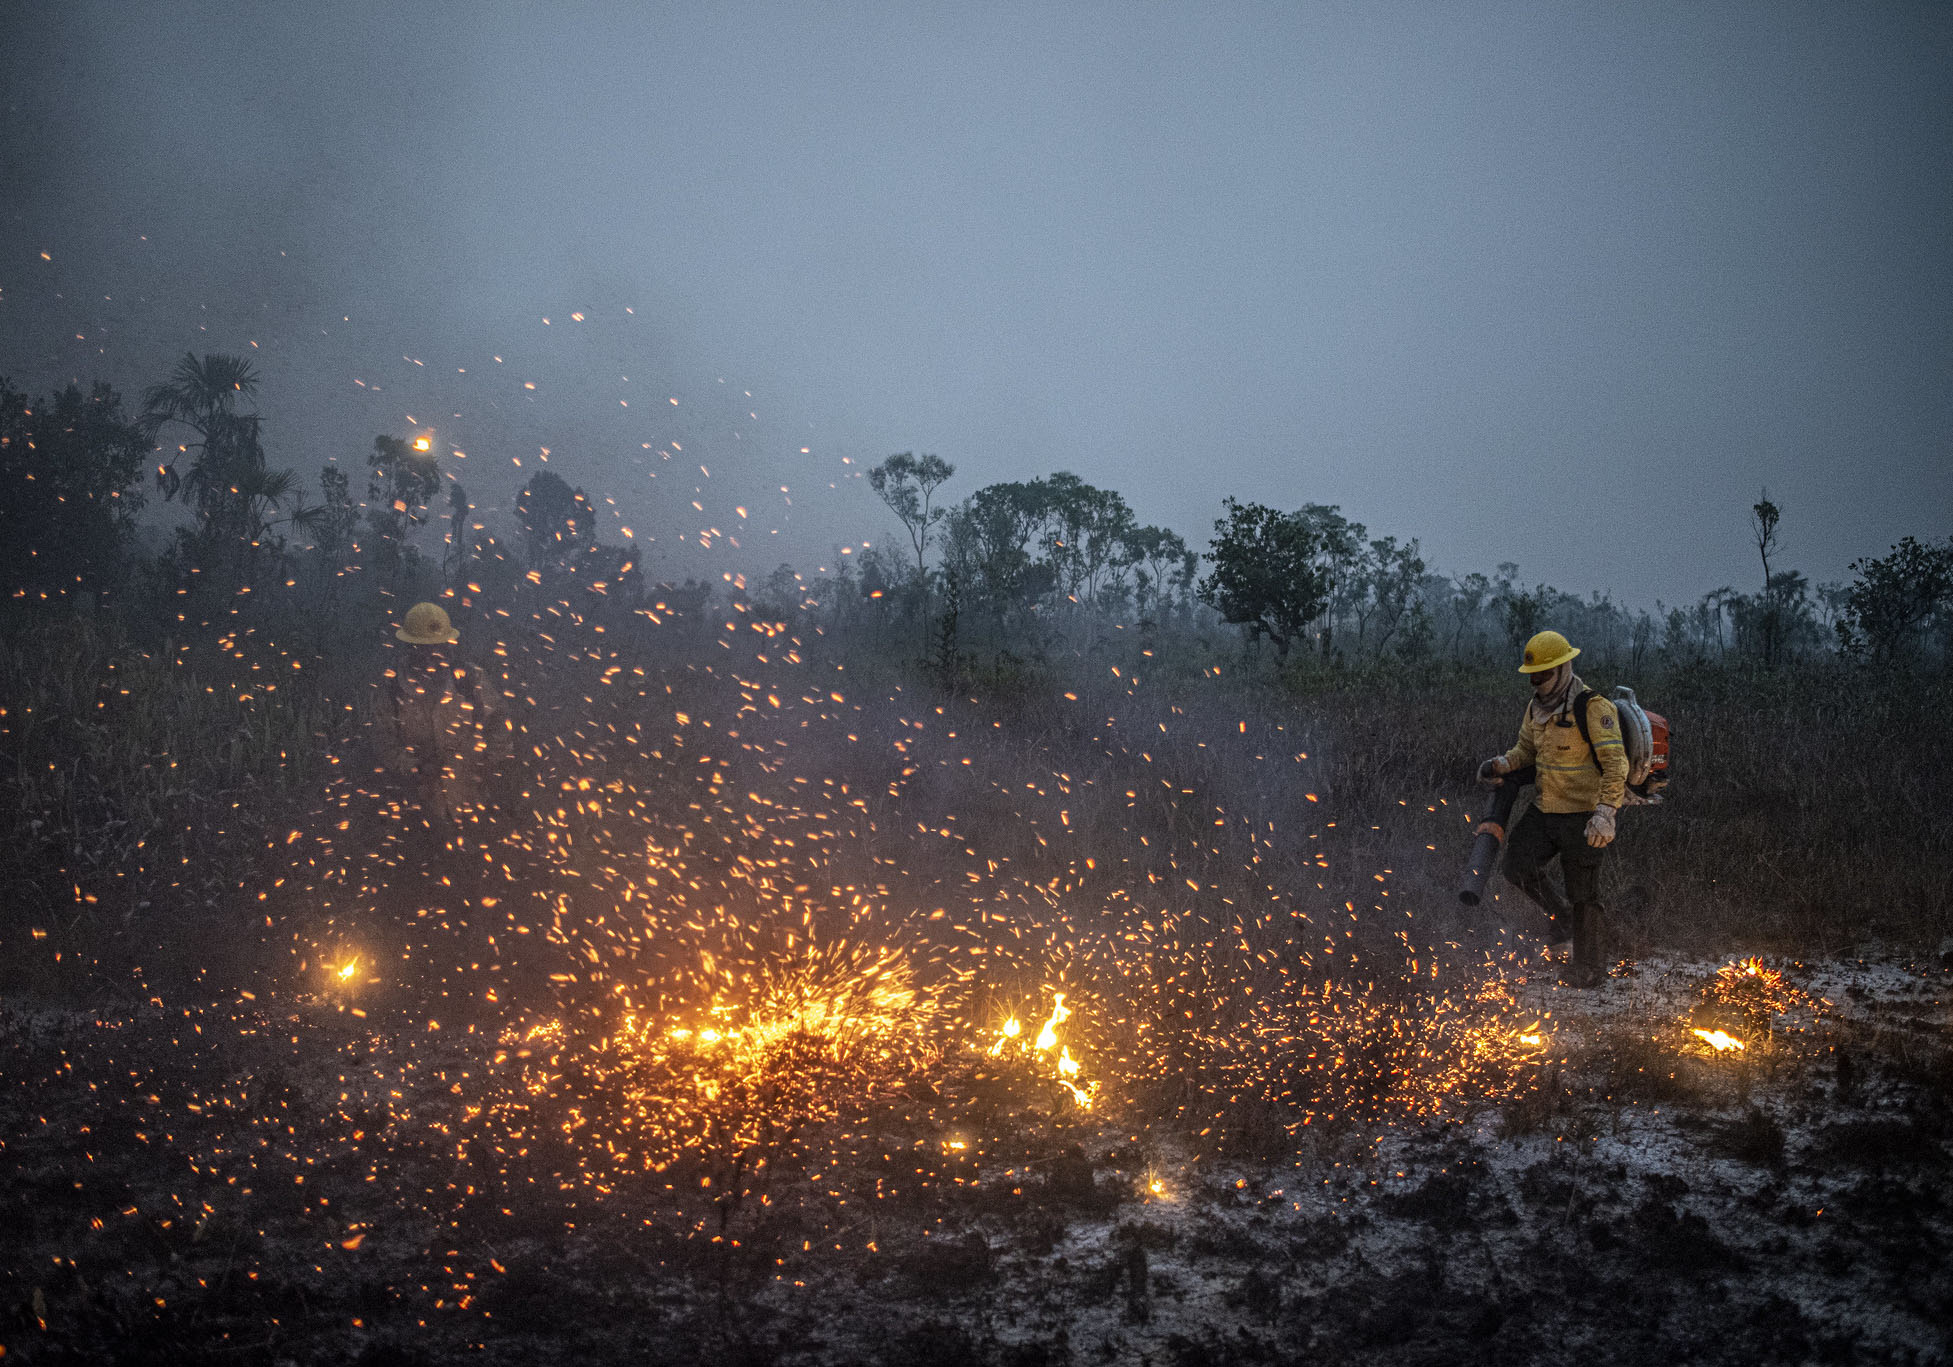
(249, 1181)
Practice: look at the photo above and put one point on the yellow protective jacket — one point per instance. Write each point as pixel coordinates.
(435, 723)
(1568, 778)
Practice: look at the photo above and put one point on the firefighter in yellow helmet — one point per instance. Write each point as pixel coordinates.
(433, 714)
(1572, 736)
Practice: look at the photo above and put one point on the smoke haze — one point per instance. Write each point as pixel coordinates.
(1563, 288)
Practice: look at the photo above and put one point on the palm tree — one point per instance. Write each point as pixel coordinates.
(259, 493)
(202, 395)
(227, 484)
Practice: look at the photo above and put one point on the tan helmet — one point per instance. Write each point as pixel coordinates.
(427, 625)
(1547, 650)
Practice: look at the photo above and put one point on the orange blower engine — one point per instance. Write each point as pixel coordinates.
(1646, 735)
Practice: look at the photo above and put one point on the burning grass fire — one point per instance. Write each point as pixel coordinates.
(1719, 1040)
(1747, 1003)
(726, 1080)
(1043, 1054)
(716, 929)
(739, 954)
(1369, 1052)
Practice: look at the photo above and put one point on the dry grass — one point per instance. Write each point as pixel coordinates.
(1810, 812)
(1334, 805)
(137, 780)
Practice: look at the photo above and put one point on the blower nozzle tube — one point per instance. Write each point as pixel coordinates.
(1491, 834)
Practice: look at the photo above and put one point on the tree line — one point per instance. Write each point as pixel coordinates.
(76, 471)
(1315, 581)
(1011, 571)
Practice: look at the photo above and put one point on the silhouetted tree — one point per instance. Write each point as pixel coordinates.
(261, 493)
(690, 601)
(225, 485)
(607, 572)
(1160, 558)
(991, 543)
(331, 524)
(1643, 630)
(1269, 572)
(781, 597)
(67, 501)
(332, 521)
(1892, 597)
(1770, 624)
(1763, 617)
(1764, 516)
(454, 551)
(907, 483)
(1469, 594)
(402, 478)
(1387, 589)
(201, 394)
(1521, 611)
(1340, 546)
(556, 519)
(1087, 530)
(489, 573)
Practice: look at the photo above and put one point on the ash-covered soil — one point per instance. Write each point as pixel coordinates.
(257, 1181)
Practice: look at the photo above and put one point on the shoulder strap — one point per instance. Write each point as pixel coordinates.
(1580, 706)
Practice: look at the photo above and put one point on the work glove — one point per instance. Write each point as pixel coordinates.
(1600, 827)
(1490, 772)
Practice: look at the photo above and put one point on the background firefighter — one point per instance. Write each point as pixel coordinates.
(1583, 773)
(435, 717)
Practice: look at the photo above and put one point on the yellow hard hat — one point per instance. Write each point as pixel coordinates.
(1547, 650)
(427, 625)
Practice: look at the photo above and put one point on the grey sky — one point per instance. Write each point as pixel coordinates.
(1555, 284)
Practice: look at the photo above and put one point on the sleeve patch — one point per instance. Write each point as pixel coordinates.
(1607, 721)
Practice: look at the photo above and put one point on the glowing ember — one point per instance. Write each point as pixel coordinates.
(1751, 996)
(1059, 1067)
(347, 970)
(787, 1046)
(1010, 1031)
(706, 948)
(1721, 1041)
(1758, 992)
(1383, 1054)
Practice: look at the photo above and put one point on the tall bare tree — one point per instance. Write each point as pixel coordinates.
(907, 483)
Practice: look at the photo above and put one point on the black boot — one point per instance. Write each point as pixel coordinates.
(1588, 967)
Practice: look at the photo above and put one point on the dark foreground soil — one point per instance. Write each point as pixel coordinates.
(287, 1182)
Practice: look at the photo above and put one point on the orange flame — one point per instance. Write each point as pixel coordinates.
(1060, 1013)
(1721, 1041)
(1063, 1068)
